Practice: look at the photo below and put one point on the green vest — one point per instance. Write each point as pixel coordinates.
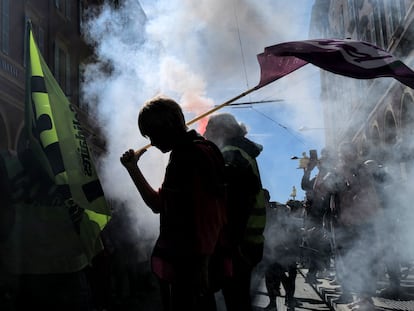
(257, 220)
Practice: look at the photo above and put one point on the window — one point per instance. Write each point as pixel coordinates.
(407, 118)
(38, 33)
(40, 36)
(67, 78)
(63, 6)
(351, 10)
(390, 130)
(62, 67)
(383, 20)
(375, 136)
(351, 16)
(379, 33)
(363, 148)
(372, 29)
(364, 26)
(399, 11)
(341, 23)
(5, 26)
(374, 144)
(4, 142)
(396, 13)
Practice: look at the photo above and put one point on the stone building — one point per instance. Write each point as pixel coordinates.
(378, 114)
(57, 27)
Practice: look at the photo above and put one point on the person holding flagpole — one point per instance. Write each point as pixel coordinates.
(191, 205)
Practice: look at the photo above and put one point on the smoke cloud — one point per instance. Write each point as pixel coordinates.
(201, 54)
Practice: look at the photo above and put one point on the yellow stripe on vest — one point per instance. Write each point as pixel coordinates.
(257, 219)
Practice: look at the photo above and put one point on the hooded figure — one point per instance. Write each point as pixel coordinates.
(246, 210)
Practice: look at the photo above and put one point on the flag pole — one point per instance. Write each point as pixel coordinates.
(211, 111)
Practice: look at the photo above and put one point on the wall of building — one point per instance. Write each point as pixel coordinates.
(375, 114)
(56, 26)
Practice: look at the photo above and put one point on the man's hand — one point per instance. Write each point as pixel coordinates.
(130, 158)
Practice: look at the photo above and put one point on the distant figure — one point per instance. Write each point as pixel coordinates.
(283, 252)
(387, 187)
(356, 210)
(317, 208)
(293, 194)
(191, 204)
(247, 214)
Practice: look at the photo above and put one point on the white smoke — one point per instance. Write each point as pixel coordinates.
(200, 53)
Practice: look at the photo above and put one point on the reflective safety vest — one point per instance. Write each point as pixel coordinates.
(257, 220)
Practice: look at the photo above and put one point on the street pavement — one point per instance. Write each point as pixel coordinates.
(319, 297)
(322, 296)
(308, 297)
(329, 293)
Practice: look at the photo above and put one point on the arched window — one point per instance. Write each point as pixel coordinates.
(373, 144)
(407, 118)
(390, 129)
(391, 157)
(363, 148)
(375, 135)
(407, 128)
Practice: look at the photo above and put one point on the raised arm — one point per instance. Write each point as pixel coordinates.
(151, 197)
(306, 182)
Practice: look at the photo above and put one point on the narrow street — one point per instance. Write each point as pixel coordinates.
(305, 293)
(319, 298)
(323, 295)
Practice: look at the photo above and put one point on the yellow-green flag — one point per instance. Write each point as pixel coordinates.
(58, 142)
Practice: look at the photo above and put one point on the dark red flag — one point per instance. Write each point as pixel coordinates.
(356, 59)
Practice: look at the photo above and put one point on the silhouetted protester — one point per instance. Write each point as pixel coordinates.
(42, 258)
(316, 214)
(7, 220)
(357, 210)
(126, 260)
(283, 242)
(247, 214)
(191, 204)
(387, 188)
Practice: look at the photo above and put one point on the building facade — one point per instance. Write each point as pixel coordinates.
(57, 27)
(378, 114)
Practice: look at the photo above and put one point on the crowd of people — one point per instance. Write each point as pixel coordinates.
(337, 224)
(216, 226)
(349, 230)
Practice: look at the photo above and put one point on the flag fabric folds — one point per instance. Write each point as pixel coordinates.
(58, 142)
(356, 59)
